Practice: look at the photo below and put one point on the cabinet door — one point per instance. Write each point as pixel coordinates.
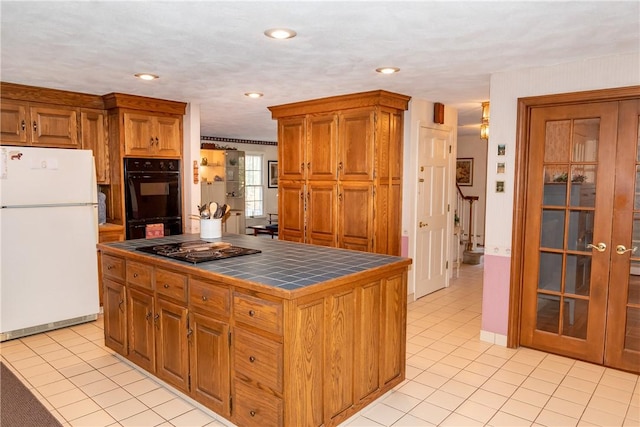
(141, 330)
(138, 134)
(209, 360)
(115, 317)
(355, 219)
(172, 353)
(54, 126)
(291, 211)
(94, 138)
(13, 123)
(291, 148)
(322, 219)
(356, 145)
(322, 151)
(169, 136)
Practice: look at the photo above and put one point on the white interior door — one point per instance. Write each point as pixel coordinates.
(432, 231)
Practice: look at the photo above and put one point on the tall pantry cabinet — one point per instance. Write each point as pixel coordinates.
(340, 171)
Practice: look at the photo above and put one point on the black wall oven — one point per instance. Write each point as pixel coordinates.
(152, 196)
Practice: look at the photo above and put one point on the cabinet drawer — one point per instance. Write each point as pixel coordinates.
(258, 312)
(113, 267)
(207, 296)
(254, 407)
(140, 275)
(259, 359)
(173, 285)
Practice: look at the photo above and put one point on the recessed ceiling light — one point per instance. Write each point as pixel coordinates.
(387, 70)
(280, 33)
(147, 76)
(253, 95)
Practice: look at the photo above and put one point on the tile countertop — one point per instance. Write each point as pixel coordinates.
(284, 265)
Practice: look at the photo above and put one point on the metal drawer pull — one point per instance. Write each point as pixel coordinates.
(166, 286)
(252, 359)
(600, 248)
(252, 413)
(621, 250)
(204, 298)
(135, 275)
(109, 267)
(252, 313)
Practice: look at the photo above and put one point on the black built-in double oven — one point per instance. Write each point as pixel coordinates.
(152, 196)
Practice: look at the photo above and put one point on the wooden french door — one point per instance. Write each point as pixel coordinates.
(581, 269)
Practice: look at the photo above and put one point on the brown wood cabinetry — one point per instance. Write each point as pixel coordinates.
(93, 125)
(26, 123)
(144, 127)
(147, 135)
(255, 354)
(340, 171)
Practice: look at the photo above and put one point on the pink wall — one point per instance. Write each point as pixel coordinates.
(495, 294)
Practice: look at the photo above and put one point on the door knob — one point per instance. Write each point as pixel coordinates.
(423, 224)
(600, 247)
(621, 250)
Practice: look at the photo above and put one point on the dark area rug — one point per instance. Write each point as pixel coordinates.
(18, 406)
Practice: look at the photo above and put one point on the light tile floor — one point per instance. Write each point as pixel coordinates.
(453, 378)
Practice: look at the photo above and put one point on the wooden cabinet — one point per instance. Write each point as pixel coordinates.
(26, 123)
(115, 318)
(147, 135)
(93, 125)
(144, 127)
(141, 334)
(261, 357)
(172, 358)
(340, 171)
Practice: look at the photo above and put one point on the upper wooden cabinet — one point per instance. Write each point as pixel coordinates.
(148, 135)
(145, 127)
(25, 123)
(93, 127)
(340, 171)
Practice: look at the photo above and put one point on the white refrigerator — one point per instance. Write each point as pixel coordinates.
(49, 231)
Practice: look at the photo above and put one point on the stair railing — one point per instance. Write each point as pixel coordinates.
(467, 218)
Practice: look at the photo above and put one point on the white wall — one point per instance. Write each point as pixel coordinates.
(476, 148)
(506, 88)
(420, 113)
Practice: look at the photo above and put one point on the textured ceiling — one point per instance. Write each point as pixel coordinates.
(212, 52)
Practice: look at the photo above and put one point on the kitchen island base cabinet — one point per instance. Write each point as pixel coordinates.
(256, 354)
(115, 319)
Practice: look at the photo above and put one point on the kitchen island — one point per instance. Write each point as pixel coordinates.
(296, 335)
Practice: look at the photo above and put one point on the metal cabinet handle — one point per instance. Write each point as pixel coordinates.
(157, 141)
(252, 413)
(204, 298)
(35, 126)
(252, 313)
(166, 286)
(189, 332)
(621, 250)
(23, 125)
(109, 267)
(600, 247)
(302, 165)
(120, 305)
(135, 275)
(252, 359)
(151, 141)
(148, 316)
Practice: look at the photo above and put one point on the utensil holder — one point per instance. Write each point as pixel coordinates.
(211, 228)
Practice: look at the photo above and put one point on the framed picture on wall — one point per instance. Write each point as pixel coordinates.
(464, 171)
(272, 177)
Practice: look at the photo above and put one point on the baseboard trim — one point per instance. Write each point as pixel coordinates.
(493, 338)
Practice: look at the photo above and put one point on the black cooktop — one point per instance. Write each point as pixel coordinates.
(198, 251)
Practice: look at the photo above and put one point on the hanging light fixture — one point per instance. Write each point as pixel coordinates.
(484, 126)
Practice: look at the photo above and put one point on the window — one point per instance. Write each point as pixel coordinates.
(254, 187)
